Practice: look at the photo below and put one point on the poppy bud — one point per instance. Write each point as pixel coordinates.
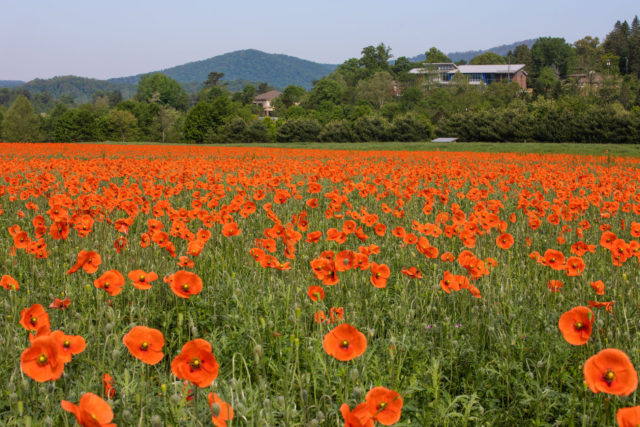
(258, 350)
(163, 388)
(194, 331)
(314, 422)
(156, 421)
(13, 397)
(266, 403)
(320, 416)
(126, 415)
(115, 354)
(175, 399)
(25, 385)
(280, 401)
(48, 422)
(215, 409)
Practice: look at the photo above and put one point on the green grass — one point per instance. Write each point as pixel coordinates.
(603, 149)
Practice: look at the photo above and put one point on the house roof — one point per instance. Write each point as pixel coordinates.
(267, 96)
(495, 68)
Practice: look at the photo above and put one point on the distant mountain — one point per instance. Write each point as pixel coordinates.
(81, 88)
(251, 65)
(10, 83)
(470, 54)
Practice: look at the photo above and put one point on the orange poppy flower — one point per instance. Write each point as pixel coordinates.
(554, 285)
(185, 262)
(504, 241)
(380, 229)
(231, 229)
(141, 279)
(576, 325)
(450, 282)
(88, 261)
(68, 345)
(379, 274)
(554, 259)
(607, 305)
(35, 318)
(412, 272)
(196, 363)
(359, 417)
(314, 236)
(61, 304)
(344, 260)
(145, 344)
(109, 389)
(598, 286)
(610, 371)
(574, 266)
(223, 412)
(111, 281)
(91, 411)
(185, 284)
(320, 317)
(40, 361)
(9, 283)
(384, 405)
(628, 417)
(344, 342)
(315, 293)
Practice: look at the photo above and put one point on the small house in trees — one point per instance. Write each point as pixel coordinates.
(265, 100)
(476, 74)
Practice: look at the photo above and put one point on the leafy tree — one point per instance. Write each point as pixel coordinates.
(146, 114)
(258, 131)
(292, 95)
(49, 121)
(371, 128)
(77, 125)
(246, 96)
(198, 122)
(1, 119)
(213, 79)
(547, 82)
(402, 65)
(20, 122)
(589, 52)
(553, 51)
(169, 90)
(336, 131)
(375, 58)
(264, 88)
(409, 127)
(302, 130)
(325, 90)
(434, 55)
(522, 55)
(377, 89)
(123, 122)
(351, 71)
(487, 58)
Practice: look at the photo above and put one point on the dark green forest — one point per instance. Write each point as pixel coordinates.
(587, 91)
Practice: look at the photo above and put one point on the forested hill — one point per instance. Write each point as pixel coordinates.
(250, 64)
(80, 88)
(469, 54)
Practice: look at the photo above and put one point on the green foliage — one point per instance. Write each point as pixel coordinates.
(377, 90)
(123, 122)
(409, 127)
(488, 58)
(375, 59)
(302, 129)
(77, 125)
(80, 89)
(336, 131)
(371, 128)
(434, 55)
(20, 122)
(158, 88)
(325, 90)
(553, 51)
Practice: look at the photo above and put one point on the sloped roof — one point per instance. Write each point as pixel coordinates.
(495, 68)
(268, 96)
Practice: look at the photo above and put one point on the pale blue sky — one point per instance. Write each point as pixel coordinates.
(40, 38)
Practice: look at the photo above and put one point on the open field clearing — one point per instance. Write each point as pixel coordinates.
(196, 285)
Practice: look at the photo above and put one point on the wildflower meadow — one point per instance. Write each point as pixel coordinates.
(231, 286)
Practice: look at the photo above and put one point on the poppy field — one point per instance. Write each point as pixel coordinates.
(191, 285)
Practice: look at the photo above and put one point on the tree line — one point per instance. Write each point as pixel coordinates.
(588, 91)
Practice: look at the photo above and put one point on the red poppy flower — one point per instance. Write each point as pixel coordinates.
(111, 281)
(379, 274)
(141, 279)
(35, 318)
(185, 284)
(315, 293)
(145, 344)
(598, 286)
(91, 411)
(504, 241)
(611, 371)
(68, 345)
(9, 283)
(196, 363)
(384, 405)
(412, 272)
(359, 417)
(88, 261)
(40, 361)
(628, 417)
(344, 342)
(109, 389)
(61, 304)
(220, 414)
(576, 325)
(554, 285)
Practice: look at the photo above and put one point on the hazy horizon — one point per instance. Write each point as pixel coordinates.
(118, 39)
